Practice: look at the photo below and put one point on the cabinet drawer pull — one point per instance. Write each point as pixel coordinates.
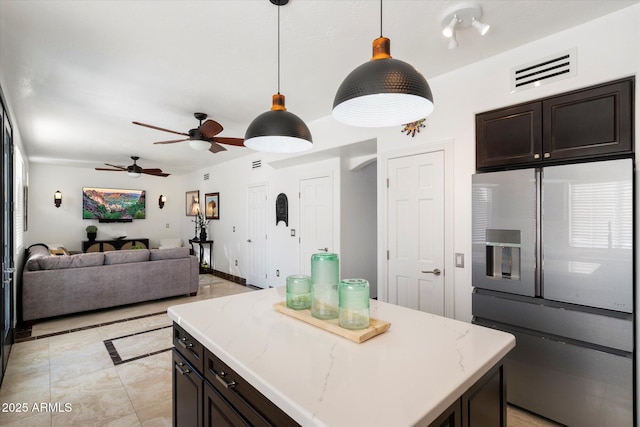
(182, 371)
(219, 377)
(185, 344)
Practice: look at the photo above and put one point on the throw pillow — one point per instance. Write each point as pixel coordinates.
(173, 253)
(59, 251)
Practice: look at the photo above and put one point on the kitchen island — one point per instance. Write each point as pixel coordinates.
(425, 370)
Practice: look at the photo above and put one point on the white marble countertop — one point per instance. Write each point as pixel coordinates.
(406, 376)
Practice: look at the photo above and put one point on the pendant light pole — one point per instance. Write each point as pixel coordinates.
(382, 92)
(277, 130)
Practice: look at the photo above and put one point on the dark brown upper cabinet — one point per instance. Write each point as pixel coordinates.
(592, 122)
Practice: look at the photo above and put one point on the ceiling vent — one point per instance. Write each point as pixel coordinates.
(205, 177)
(256, 164)
(546, 70)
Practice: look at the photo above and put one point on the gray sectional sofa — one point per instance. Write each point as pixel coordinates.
(58, 285)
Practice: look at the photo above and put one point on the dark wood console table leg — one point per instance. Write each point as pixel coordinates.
(201, 243)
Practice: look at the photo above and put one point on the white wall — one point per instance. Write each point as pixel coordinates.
(232, 180)
(48, 224)
(358, 216)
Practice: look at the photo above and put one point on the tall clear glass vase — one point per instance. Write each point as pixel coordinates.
(325, 270)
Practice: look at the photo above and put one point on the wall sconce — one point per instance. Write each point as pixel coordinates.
(162, 200)
(57, 198)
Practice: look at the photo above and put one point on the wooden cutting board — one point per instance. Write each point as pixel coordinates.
(376, 326)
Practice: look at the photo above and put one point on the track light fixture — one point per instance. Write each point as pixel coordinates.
(453, 42)
(450, 29)
(460, 17)
(481, 27)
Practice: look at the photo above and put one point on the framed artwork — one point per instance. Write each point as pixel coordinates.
(192, 202)
(212, 205)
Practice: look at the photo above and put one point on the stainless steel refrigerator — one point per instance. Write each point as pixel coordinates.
(553, 264)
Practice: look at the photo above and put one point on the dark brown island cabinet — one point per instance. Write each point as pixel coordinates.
(207, 392)
(593, 122)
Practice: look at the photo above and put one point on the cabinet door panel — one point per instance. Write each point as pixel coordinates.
(484, 404)
(218, 412)
(187, 394)
(509, 136)
(590, 122)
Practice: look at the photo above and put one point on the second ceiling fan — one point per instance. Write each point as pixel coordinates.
(203, 137)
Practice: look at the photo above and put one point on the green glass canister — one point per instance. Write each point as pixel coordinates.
(354, 295)
(299, 291)
(324, 278)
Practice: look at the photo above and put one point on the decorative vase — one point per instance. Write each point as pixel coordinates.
(299, 291)
(353, 297)
(203, 234)
(324, 278)
(91, 236)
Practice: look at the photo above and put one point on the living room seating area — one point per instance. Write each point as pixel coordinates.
(55, 285)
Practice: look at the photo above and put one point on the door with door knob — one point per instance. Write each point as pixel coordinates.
(415, 212)
(257, 248)
(316, 219)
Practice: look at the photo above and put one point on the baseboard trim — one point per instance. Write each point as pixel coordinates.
(230, 277)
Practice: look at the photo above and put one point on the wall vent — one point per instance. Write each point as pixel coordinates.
(546, 70)
(256, 164)
(205, 177)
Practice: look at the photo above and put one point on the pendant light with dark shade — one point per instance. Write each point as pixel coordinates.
(277, 130)
(382, 92)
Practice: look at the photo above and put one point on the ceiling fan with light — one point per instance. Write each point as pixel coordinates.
(203, 137)
(134, 170)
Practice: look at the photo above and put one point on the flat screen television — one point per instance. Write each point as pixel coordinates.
(112, 204)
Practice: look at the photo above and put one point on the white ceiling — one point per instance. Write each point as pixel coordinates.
(77, 73)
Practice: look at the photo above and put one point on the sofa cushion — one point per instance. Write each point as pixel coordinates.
(73, 261)
(126, 256)
(173, 253)
(38, 250)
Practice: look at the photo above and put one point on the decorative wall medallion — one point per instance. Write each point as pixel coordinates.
(282, 209)
(413, 127)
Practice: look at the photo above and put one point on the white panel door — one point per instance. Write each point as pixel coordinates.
(316, 219)
(257, 237)
(416, 232)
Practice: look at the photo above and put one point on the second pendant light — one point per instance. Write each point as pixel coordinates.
(277, 130)
(383, 92)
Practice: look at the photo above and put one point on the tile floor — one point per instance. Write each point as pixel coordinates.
(98, 370)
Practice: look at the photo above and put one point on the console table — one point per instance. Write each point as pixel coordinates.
(112, 245)
(202, 243)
